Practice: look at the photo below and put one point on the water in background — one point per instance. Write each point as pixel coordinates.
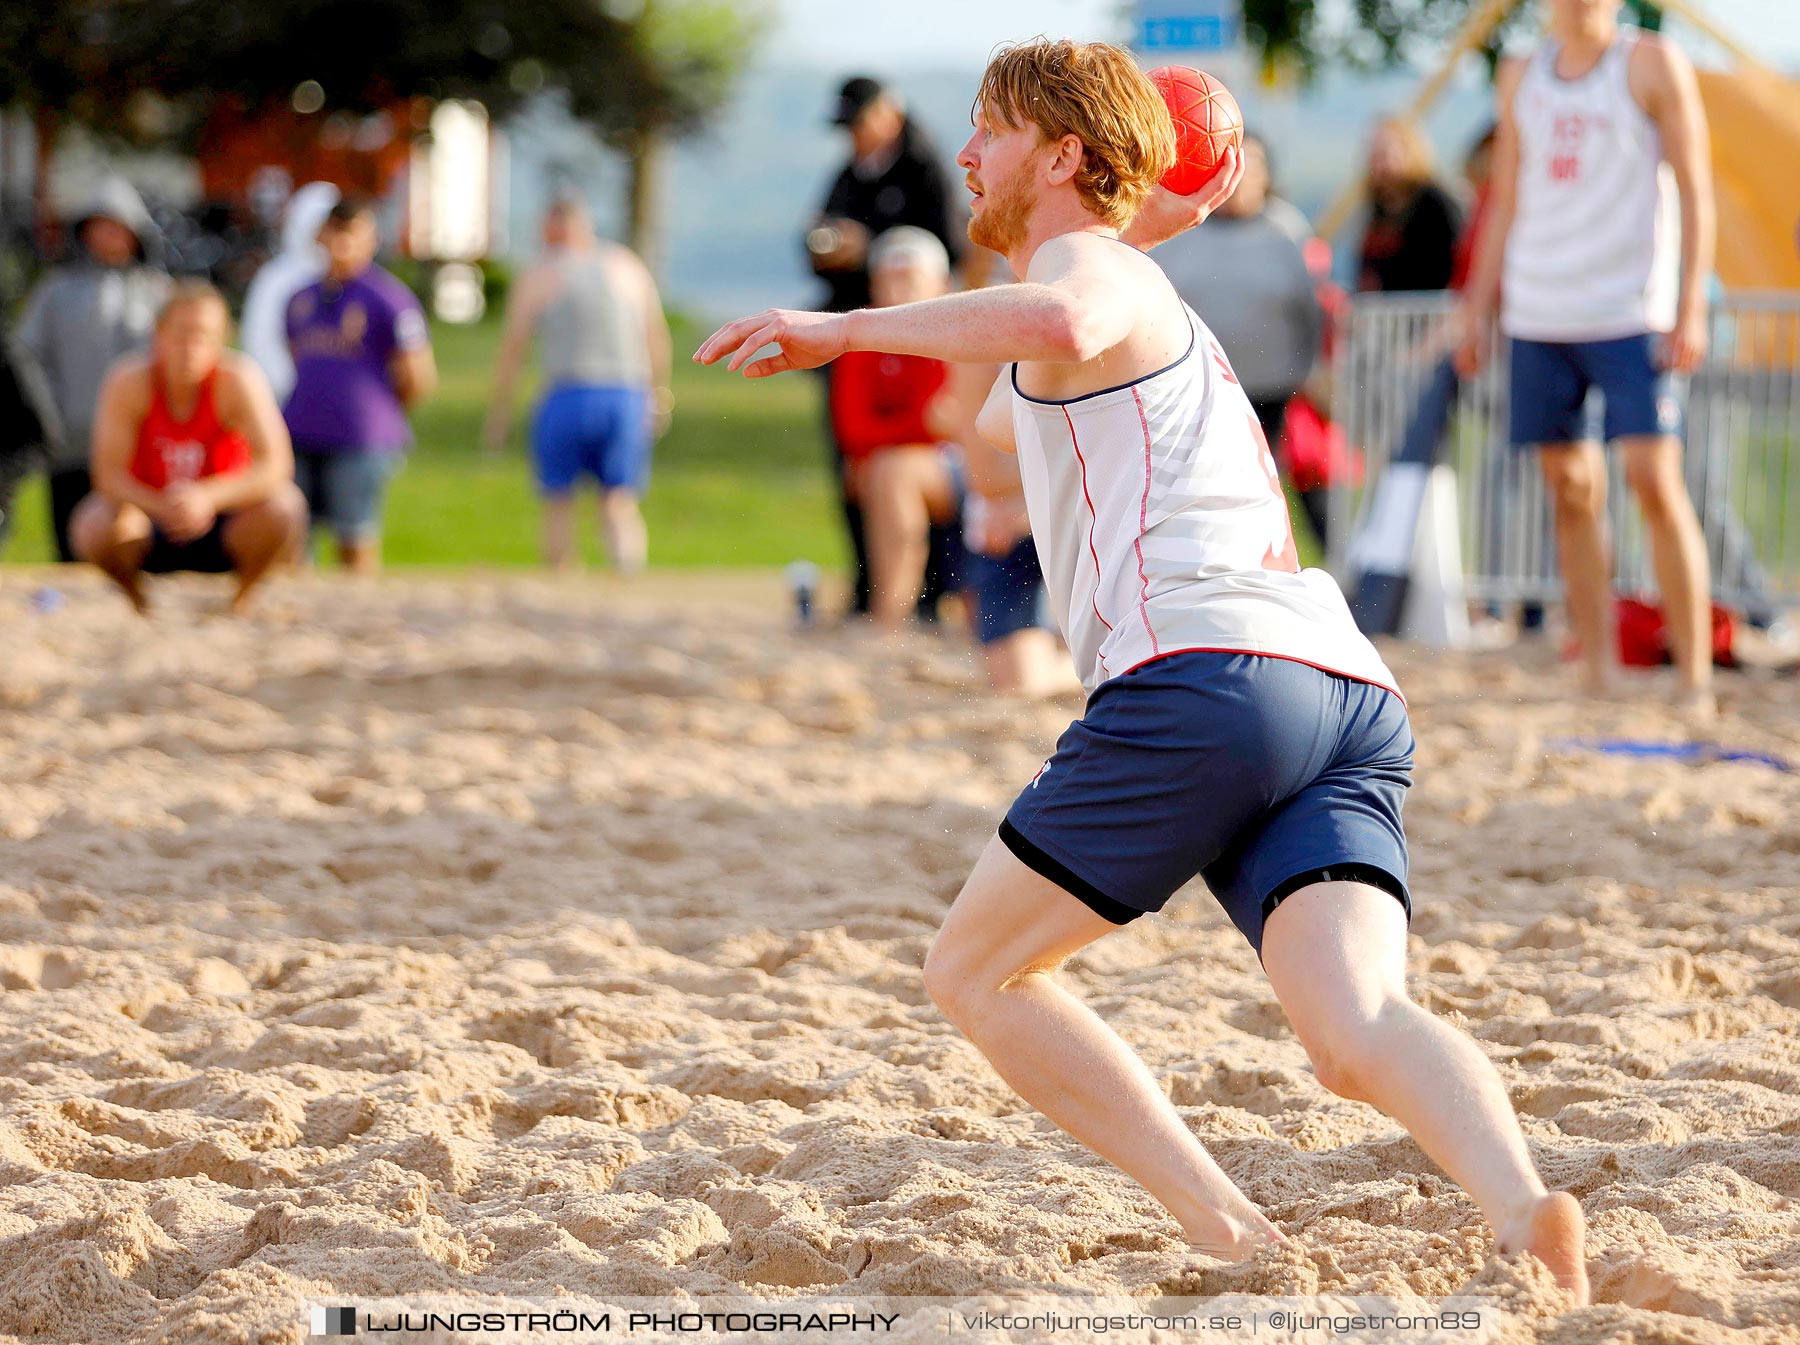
(740, 197)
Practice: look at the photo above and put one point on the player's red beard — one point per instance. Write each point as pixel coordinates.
(1002, 224)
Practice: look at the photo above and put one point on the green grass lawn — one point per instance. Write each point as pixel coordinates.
(740, 479)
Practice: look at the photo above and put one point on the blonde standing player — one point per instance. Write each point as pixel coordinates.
(1238, 725)
(1598, 133)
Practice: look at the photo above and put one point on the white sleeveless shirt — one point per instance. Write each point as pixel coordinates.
(1593, 252)
(1162, 529)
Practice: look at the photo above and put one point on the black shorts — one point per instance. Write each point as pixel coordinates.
(206, 554)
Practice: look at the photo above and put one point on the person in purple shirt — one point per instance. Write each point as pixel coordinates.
(362, 356)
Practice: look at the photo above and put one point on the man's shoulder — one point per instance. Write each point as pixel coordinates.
(1286, 218)
(129, 377)
(1654, 61)
(1091, 251)
(236, 369)
(306, 298)
(387, 287)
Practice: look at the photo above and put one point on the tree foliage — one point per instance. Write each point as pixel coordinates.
(1376, 33)
(669, 63)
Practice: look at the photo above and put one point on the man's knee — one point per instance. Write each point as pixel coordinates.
(1653, 473)
(1346, 1050)
(959, 978)
(95, 528)
(951, 978)
(275, 521)
(1576, 481)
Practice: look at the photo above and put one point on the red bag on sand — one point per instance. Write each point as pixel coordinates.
(1314, 450)
(1644, 640)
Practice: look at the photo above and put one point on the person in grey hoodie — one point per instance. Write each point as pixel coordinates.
(82, 317)
(263, 330)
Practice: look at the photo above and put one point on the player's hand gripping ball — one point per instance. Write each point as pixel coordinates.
(1207, 123)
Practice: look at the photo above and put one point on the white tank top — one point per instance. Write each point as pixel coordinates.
(1162, 529)
(1594, 248)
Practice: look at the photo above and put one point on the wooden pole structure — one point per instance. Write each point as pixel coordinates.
(1475, 31)
(1693, 14)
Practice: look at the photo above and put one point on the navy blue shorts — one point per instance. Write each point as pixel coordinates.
(1009, 592)
(1551, 381)
(1262, 775)
(599, 430)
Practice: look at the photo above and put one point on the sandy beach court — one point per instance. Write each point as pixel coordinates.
(504, 936)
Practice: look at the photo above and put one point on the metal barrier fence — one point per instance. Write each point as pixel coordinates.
(1742, 458)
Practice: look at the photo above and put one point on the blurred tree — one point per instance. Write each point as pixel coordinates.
(1382, 32)
(153, 70)
(683, 60)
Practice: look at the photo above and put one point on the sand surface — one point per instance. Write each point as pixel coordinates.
(507, 937)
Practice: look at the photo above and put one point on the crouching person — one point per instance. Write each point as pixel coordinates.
(191, 462)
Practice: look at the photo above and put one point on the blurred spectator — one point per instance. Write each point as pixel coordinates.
(28, 428)
(82, 317)
(604, 345)
(191, 464)
(1244, 271)
(895, 176)
(1020, 651)
(1410, 242)
(896, 468)
(1478, 167)
(362, 356)
(298, 264)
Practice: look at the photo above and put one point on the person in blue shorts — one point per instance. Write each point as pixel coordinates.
(1597, 252)
(604, 346)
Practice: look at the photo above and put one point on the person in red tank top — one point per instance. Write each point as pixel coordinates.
(890, 414)
(191, 462)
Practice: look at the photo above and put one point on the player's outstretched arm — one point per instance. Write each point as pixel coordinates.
(1066, 311)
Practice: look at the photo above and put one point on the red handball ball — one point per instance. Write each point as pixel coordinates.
(1207, 123)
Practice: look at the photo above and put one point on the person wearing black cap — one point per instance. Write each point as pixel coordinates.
(895, 176)
(82, 317)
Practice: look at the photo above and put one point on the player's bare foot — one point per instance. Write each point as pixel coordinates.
(1599, 683)
(243, 602)
(1556, 1233)
(1696, 705)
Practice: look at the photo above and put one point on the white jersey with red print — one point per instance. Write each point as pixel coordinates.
(1594, 249)
(1162, 528)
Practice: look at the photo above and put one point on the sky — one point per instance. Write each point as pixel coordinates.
(893, 35)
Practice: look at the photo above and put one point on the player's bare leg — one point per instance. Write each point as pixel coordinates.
(558, 533)
(259, 537)
(1678, 551)
(360, 555)
(622, 526)
(1335, 954)
(1576, 477)
(115, 538)
(992, 972)
(904, 491)
(1029, 663)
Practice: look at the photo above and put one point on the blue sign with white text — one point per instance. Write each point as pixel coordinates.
(1189, 25)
